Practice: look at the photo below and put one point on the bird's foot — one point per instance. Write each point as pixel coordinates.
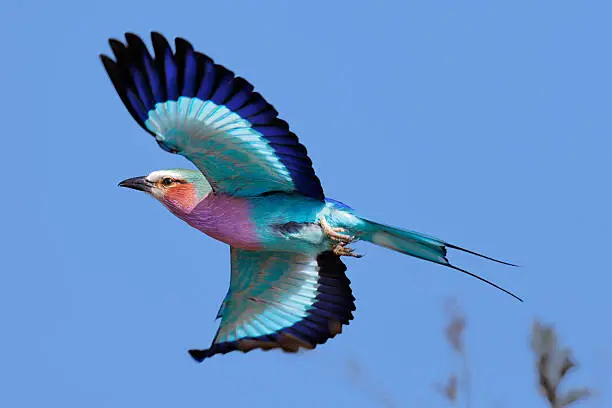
(334, 233)
(340, 248)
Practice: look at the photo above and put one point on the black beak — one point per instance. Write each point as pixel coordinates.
(137, 183)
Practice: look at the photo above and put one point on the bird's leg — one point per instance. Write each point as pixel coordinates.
(340, 248)
(335, 233)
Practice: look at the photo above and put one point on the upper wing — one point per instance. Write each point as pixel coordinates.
(282, 300)
(202, 111)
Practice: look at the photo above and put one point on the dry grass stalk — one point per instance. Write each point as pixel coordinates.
(449, 391)
(553, 364)
(454, 332)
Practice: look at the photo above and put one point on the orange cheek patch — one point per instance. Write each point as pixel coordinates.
(182, 195)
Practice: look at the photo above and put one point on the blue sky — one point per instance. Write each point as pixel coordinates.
(484, 123)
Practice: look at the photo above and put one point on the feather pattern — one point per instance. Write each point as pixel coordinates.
(282, 300)
(202, 111)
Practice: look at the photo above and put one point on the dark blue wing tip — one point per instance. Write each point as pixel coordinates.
(199, 355)
(166, 75)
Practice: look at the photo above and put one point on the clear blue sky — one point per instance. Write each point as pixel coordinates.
(483, 123)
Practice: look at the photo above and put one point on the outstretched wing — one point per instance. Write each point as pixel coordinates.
(282, 300)
(202, 111)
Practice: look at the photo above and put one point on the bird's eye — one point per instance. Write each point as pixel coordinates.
(167, 181)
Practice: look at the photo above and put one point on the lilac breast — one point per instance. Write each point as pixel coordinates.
(226, 219)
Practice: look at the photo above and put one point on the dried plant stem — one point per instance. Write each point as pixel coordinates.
(553, 363)
(454, 331)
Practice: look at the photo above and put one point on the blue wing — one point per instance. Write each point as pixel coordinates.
(282, 300)
(202, 111)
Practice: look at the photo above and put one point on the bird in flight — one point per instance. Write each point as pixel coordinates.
(254, 189)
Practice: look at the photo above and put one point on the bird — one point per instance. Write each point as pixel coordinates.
(255, 189)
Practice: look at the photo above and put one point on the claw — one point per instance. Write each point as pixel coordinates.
(335, 233)
(341, 249)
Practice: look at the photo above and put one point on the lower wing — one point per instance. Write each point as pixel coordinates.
(282, 300)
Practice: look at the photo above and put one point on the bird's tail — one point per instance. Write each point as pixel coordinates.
(418, 245)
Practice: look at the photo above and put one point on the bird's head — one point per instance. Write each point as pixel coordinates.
(178, 189)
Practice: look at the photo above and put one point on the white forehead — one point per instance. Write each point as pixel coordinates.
(157, 175)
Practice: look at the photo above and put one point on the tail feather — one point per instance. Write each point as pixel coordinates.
(488, 282)
(405, 241)
(458, 248)
(421, 246)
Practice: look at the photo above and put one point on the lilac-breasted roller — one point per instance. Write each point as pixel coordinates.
(256, 190)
